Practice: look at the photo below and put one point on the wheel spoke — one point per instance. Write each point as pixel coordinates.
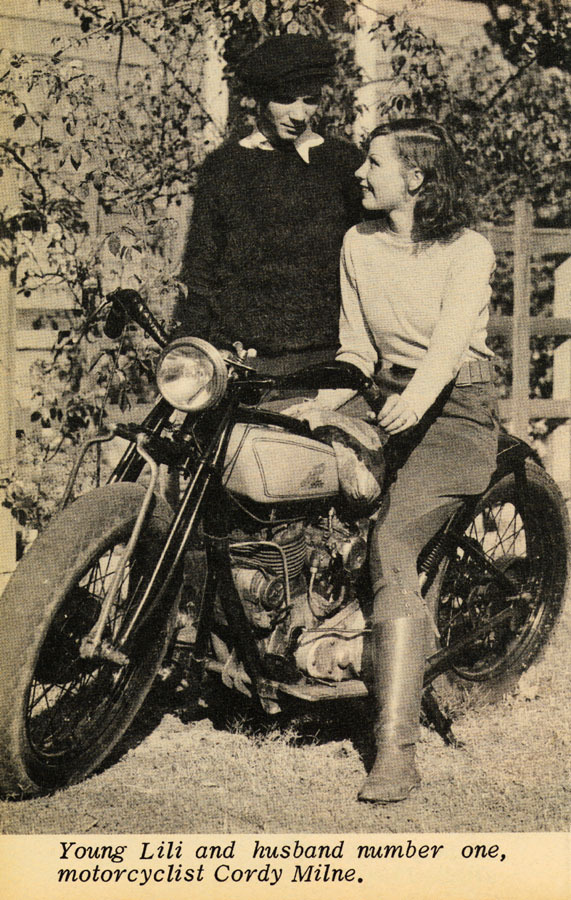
(511, 535)
(64, 705)
(70, 701)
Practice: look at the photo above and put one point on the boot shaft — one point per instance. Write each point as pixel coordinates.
(398, 649)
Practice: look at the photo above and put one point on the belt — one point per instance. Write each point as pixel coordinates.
(475, 371)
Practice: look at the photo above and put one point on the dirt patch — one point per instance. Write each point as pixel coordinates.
(173, 776)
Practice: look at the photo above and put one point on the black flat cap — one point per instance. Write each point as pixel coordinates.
(287, 62)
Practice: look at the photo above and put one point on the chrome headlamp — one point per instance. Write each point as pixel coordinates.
(191, 374)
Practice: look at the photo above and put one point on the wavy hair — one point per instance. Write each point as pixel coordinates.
(444, 204)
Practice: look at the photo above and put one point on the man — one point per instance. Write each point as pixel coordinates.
(262, 253)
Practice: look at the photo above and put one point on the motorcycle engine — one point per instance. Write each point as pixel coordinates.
(298, 588)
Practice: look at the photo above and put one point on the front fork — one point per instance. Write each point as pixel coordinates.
(171, 558)
(93, 644)
(203, 499)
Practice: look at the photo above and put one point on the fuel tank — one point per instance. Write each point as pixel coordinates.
(269, 465)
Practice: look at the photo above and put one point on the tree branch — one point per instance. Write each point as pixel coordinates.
(509, 81)
(121, 43)
(17, 158)
(117, 27)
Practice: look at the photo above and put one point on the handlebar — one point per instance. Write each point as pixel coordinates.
(128, 304)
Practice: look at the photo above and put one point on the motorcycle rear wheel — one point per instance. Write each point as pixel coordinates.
(60, 713)
(522, 527)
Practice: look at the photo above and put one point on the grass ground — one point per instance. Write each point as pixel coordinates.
(302, 776)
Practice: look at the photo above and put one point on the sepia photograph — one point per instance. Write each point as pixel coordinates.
(285, 445)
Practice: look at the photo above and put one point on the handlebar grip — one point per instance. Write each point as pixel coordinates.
(115, 322)
(133, 306)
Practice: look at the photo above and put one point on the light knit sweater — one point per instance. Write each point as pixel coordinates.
(420, 305)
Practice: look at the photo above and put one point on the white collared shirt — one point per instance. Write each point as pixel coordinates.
(303, 144)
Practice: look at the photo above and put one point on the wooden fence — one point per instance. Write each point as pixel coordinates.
(20, 346)
(526, 242)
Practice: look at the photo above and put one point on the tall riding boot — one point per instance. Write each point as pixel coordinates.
(398, 650)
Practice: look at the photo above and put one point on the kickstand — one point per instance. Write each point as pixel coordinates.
(434, 716)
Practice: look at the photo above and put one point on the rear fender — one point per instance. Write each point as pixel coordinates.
(512, 453)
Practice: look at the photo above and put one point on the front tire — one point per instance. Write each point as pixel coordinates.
(61, 713)
(522, 526)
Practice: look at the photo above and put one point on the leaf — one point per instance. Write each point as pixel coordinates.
(75, 157)
(18, 122)
(123, 401)
(114, 245)
(258, 9)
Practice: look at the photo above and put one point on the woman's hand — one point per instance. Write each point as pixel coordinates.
(396, 415)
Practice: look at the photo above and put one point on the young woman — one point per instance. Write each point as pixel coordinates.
(415, 291)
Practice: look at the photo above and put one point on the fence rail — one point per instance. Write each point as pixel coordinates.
(525, 242)
(18, 346)
(542, 325)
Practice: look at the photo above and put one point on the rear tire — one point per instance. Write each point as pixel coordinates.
(522, 526)
(60, 713)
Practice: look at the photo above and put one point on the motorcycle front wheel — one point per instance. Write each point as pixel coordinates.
(511, 569)
(61, 713)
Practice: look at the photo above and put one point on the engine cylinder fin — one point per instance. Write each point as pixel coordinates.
(270, 556)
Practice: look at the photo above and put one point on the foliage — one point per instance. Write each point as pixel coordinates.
(70, 391)
(507, 113)
(106, 156)
(418, 82)
(119, 148)
(533, 31)
(513, 135)
(33, 490)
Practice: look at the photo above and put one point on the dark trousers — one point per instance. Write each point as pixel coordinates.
(450, 454)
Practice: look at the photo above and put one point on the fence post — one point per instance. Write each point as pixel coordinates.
(214, 86)
(366, 58)
(523, 225)
(560, 441)
(7, 378)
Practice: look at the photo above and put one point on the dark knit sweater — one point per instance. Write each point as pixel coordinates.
(261, 260)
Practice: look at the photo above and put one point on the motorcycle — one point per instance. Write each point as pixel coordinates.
(258, 575)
